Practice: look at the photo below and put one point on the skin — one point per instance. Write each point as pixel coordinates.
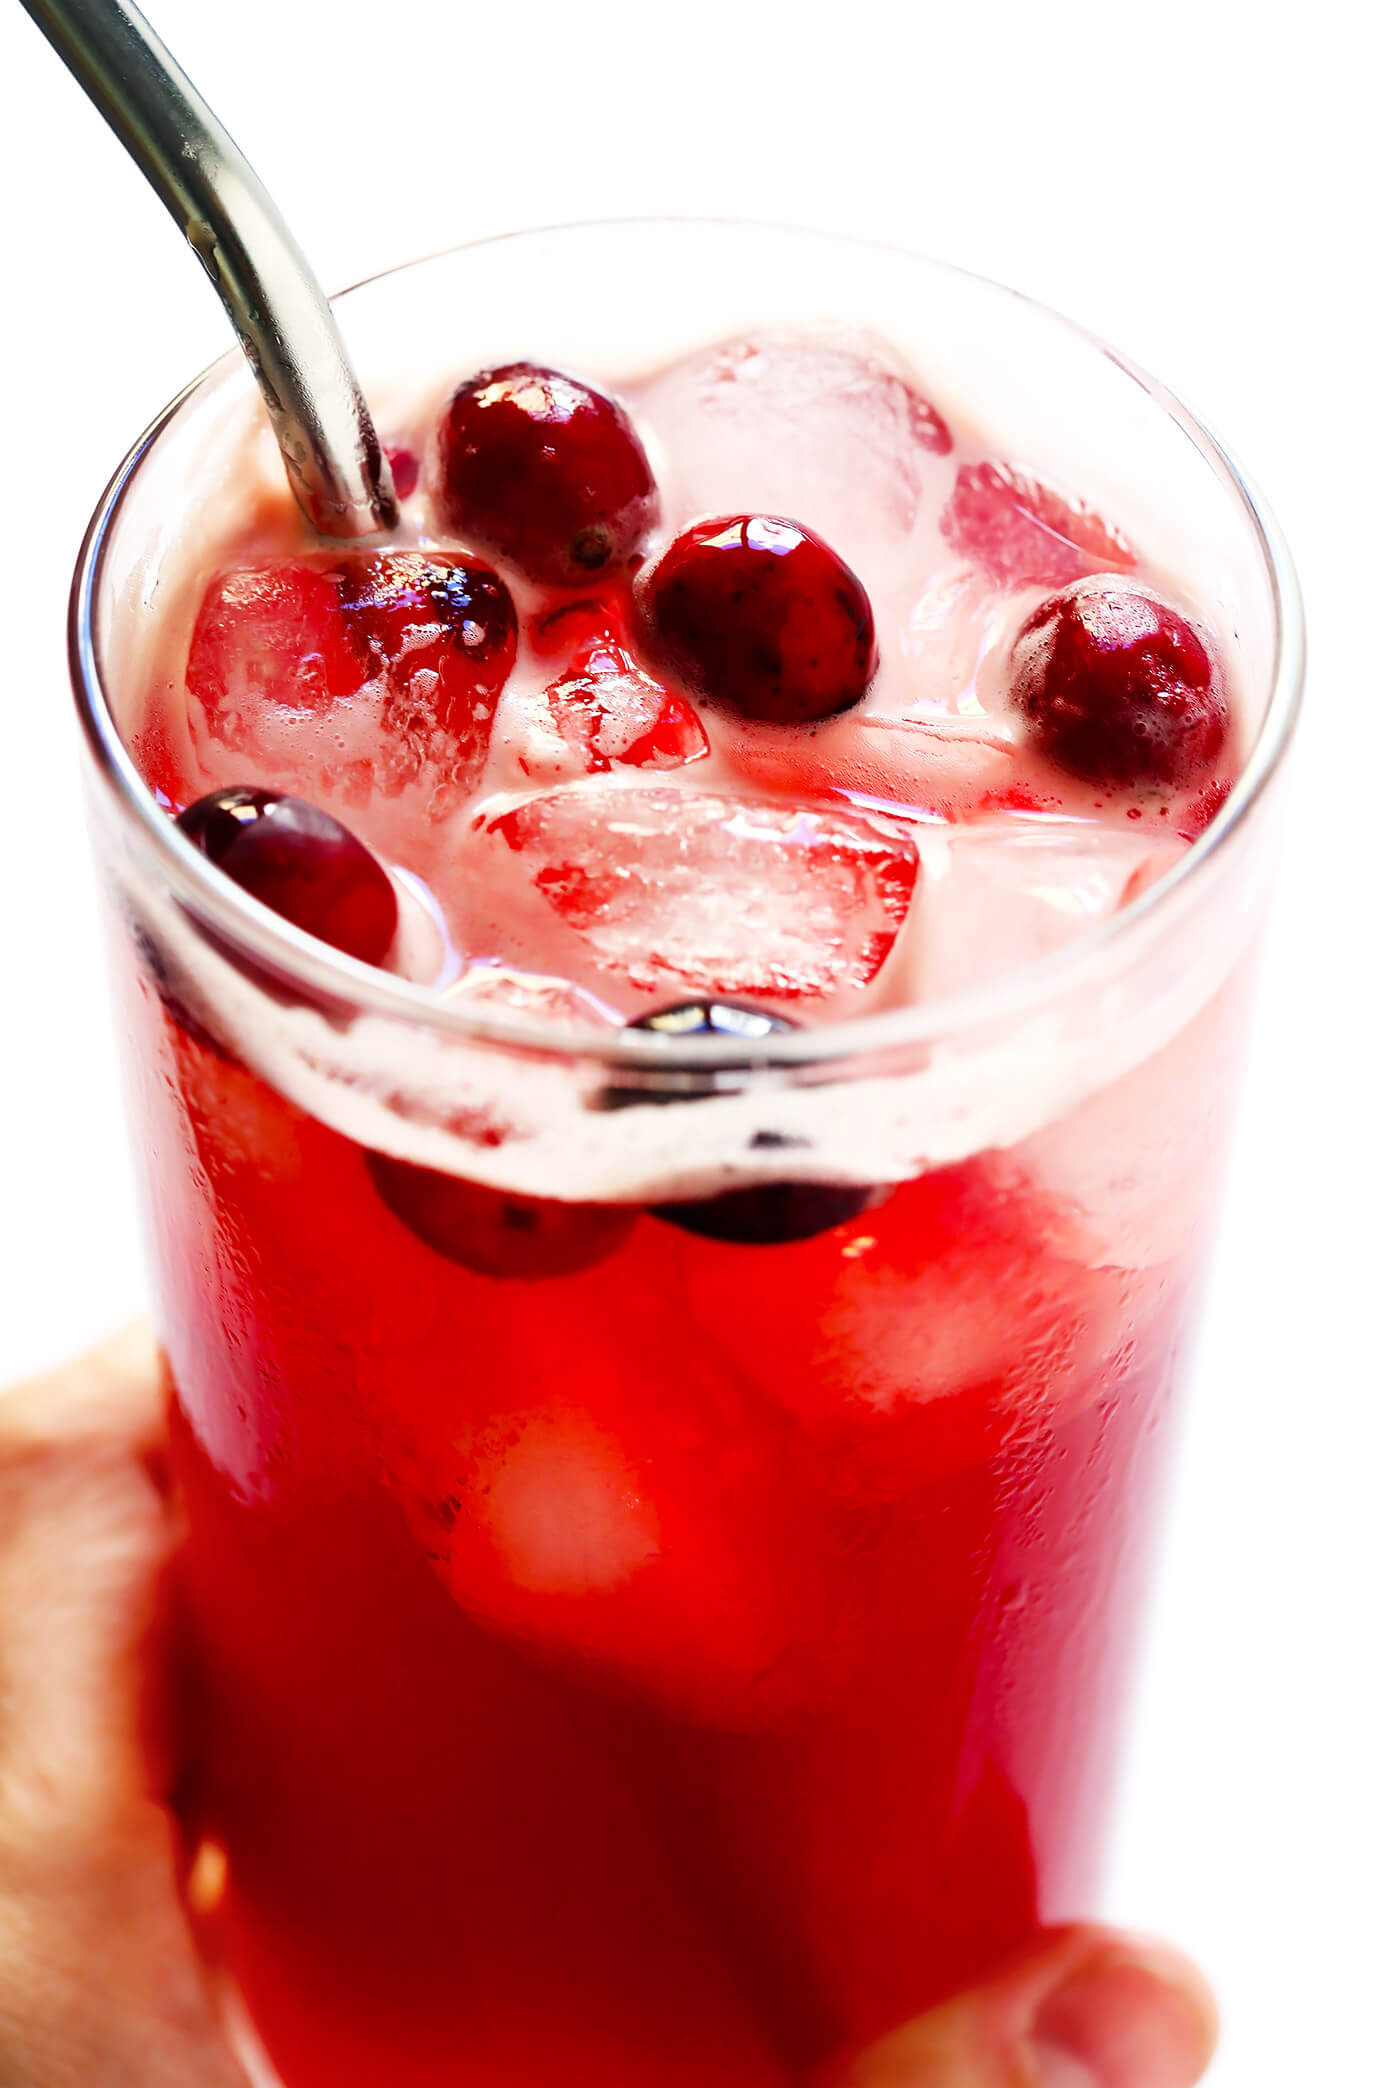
(99, 1980)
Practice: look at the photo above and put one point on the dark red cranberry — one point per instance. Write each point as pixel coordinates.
(736, 1019)
(762, 617)
(405, 469)
(1119, 688)
(546, 471)
(766, 1214)
(714, 1018)
(494, 1232)
(769, 1214)
(301, 863)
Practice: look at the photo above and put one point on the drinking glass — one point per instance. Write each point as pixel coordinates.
(613, 1653)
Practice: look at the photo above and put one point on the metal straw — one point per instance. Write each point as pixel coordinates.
(335, 463)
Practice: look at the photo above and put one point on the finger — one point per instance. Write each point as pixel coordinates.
(84, 1537)
(1088, 2008)
(99, 1982)
(114, 1393)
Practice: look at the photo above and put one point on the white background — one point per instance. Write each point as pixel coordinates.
(1202, 184)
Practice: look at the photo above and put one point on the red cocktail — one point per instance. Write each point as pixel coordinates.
(672, 1340)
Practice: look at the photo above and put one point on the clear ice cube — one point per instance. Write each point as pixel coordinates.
(999, 892)
(827, 432)
(683, 890)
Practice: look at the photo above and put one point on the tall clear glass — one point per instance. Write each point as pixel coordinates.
(667, 1660)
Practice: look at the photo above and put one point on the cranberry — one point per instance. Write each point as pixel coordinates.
(494, 1232)
(1119, 688)
(546, 471)
(714, 1018)
(1026, 533)
(761, 616)
(769, 1214)
(737, 1019)
(766, 1214)
(301, 863)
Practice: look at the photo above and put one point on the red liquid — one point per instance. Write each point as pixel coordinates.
(803, 1718)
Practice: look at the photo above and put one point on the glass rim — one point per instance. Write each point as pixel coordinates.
(214, 901)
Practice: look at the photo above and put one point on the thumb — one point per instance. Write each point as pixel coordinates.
(83, 1536)
(99, 1982)
(1085, 2008)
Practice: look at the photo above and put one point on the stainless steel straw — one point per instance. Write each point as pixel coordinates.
(339, 475)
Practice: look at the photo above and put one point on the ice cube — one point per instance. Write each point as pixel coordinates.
(621, 717)
(351, 677)
(923, 1342)
(563, 1508)
(677, 889)
(647, 1545)
(827, 432)
(1000, 891)
(1026, 532)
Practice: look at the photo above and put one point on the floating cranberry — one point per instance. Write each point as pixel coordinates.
(494, 1232)
(737, 1020)
(762, 617)
(301, 863)
(769, 1214)
(766, 1214)
(1027, 533)
(1119, 688)
(546, 471)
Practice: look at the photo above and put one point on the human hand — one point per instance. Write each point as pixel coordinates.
(100, 1985)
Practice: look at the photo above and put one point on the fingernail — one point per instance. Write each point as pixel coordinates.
(1139, 2018)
